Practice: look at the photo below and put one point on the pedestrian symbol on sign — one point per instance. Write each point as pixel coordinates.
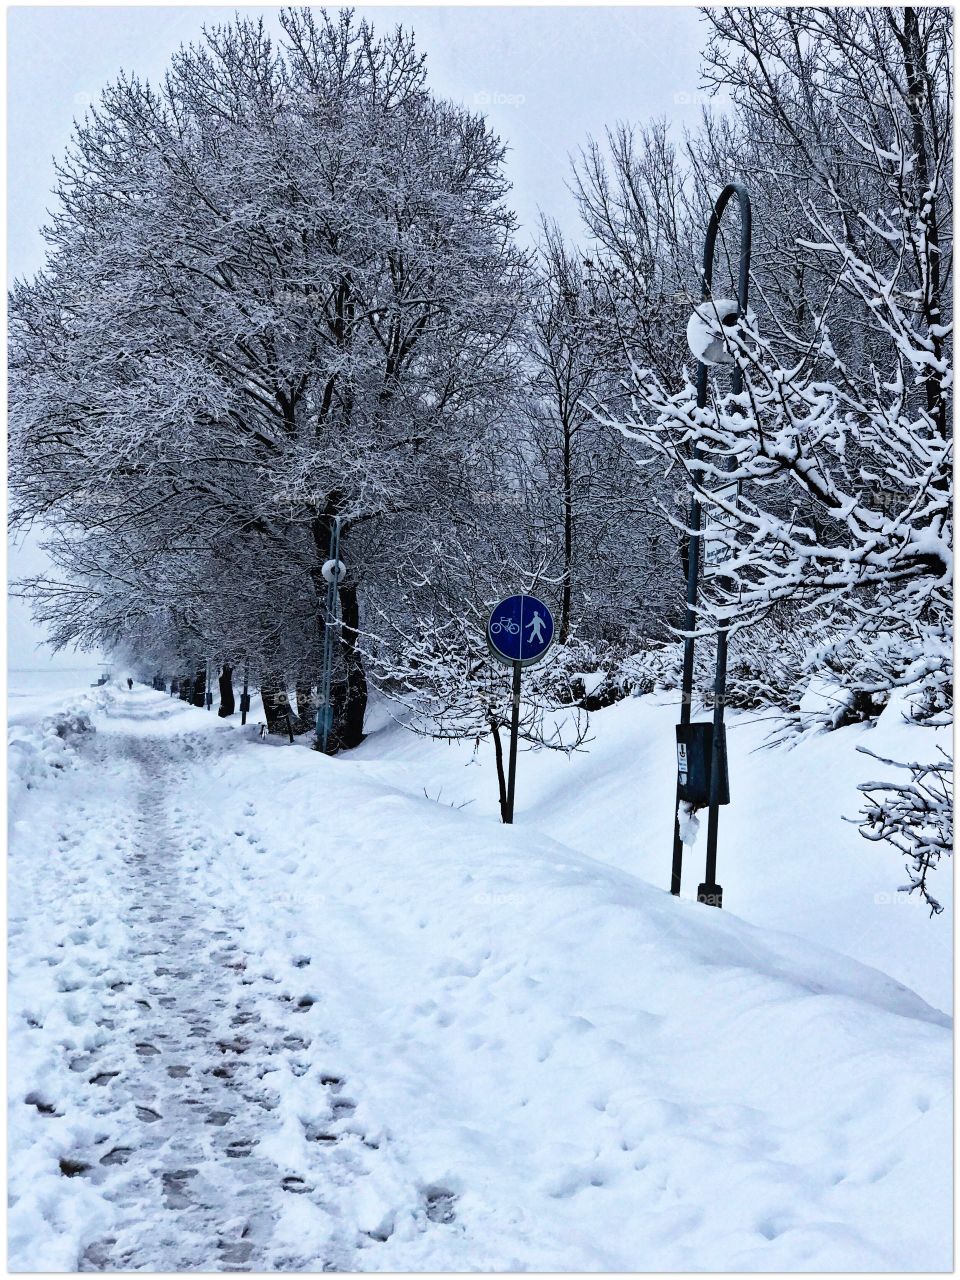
(520, 630)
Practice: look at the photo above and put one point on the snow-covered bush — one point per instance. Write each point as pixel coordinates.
(69, 723)
(651, 670)
(593, 676)
(915, 816)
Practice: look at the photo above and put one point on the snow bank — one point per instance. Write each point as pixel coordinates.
(41, 742)
(789, 856)
(62, 903)
(600, 1076)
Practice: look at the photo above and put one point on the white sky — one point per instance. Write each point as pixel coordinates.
(545, 77)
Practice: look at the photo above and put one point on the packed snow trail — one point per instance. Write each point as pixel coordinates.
(189, 1052)
(210, 1034)
(269, 1013)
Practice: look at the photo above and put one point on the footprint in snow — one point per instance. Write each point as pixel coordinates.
(44, 1107)
(296, 1184)
(240, 1148)
(118, 1155)
(439, 1204)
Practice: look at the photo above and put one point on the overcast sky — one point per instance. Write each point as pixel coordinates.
(547, 78)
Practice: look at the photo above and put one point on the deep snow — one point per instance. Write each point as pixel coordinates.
(789, 855)
(271, 1011)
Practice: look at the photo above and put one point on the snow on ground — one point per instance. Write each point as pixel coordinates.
(788, 857)
(270, 1010)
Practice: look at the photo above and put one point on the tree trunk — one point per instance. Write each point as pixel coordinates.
(185, 689)
(276, 705)
(306, 708)
(567, 535)
(349, 726)
(911, 42)
(199, 686)
(227, 704)
(350, 708)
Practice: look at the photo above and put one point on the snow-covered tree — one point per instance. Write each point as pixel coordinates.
(428, 651)
(590, 507)
(840, 441)
(280, 289)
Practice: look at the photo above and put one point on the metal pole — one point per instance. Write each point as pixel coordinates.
(689, 623)
(709, 891)
(514, 734)
(326, 708)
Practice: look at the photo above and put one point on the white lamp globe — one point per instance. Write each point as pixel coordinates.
(333, 570)
(705, 330)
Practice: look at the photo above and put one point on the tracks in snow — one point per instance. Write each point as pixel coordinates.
(221, 1141)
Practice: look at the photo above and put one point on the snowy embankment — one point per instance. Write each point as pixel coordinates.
(791, 856)
(483, 1049)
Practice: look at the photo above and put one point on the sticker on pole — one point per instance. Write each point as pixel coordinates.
(520, 630)
(720, 529)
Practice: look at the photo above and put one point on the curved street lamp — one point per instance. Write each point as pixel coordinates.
(710, 349)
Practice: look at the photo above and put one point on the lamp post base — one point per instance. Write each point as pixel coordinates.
(711, 894)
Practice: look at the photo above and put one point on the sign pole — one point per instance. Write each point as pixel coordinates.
(519, 633)
(514, 735)
(689, 622)
(710, 892)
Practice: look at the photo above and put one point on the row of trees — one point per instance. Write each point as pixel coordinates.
(284, 288)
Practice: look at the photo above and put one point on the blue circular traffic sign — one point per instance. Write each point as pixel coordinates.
(520, 629)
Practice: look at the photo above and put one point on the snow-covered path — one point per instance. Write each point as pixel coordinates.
(270, 1013)
(193, 1036)
(190, 1054)
(199, 1024)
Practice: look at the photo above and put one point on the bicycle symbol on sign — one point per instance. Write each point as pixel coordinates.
(504, 624)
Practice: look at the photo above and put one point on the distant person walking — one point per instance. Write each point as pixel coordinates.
(129, 682)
